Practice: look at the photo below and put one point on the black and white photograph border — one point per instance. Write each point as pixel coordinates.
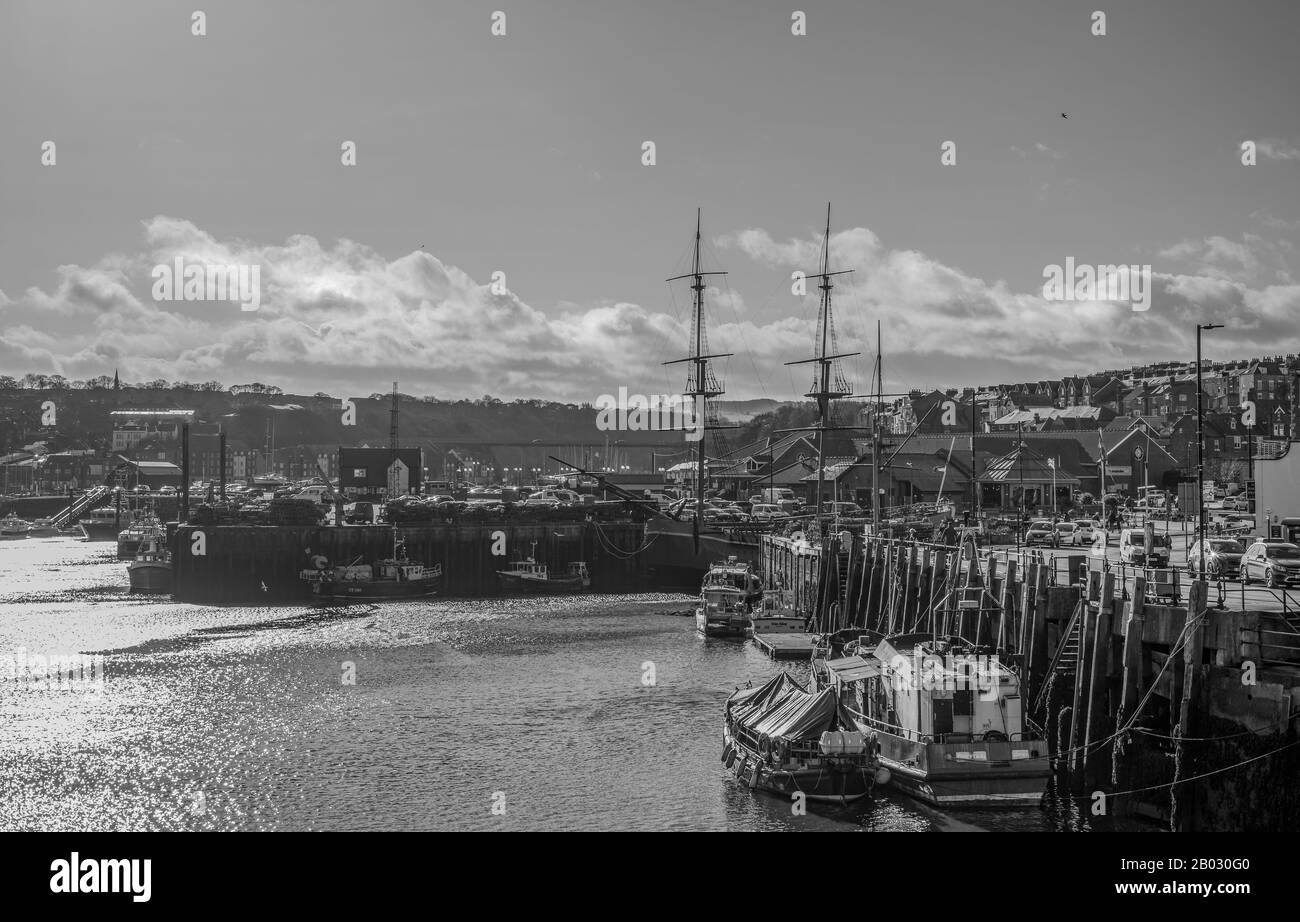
(724, 416)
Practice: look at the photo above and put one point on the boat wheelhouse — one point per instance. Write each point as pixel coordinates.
(12, 527)
(781, 738)
(948, 716)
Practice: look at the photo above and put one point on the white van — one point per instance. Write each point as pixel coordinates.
(316, 492)
(1132, 548)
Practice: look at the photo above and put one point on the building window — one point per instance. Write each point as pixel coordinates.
(1236, 441)
(358, 473)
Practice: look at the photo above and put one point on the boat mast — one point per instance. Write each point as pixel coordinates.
(701, 384)
(876, 445)
(825, 389)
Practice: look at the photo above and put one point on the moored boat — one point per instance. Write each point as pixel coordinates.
(728, 597)
(102, 524)
(151, 570)
(12, 527)
(529, 576)
(394, 577)
(782, 739)
(131, 538)
(777, 614)
(948, 718)
(45, 528)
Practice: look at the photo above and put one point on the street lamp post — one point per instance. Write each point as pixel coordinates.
(1200, 449)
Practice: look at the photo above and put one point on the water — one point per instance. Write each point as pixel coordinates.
(238, 718)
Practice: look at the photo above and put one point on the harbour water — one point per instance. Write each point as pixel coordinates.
(240, 718)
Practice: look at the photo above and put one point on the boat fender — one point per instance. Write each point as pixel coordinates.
(726, 751)
(882, 776)
(753, 778)
(731, 758)
(764, 746)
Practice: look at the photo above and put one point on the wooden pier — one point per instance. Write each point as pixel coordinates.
(787, 645)
(1154, 704)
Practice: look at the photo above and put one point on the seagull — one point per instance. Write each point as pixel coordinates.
(264, 589)
(319, 331)
(1063, 115)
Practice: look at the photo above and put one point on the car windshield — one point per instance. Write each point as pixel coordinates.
(1286, 551)
(1226, 547)
(1065, 526)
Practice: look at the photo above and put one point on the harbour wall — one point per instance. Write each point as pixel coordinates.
(260, 564)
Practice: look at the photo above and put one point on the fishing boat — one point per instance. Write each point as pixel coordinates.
(394, 577)
(529, 576)
(730, 593)
(12, 527)
(777, 614)
(102, 524)
(948, 717)
(782, 739)
(151, 570)
(130, 538)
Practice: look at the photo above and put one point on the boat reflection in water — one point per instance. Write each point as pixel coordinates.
(783, 739)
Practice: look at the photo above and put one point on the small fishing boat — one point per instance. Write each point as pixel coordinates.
(529, 576)
(395, 577)
(12, 527)
(151, 570)
(728, 597)
(130, 538)
(777, 614)
(781, 739)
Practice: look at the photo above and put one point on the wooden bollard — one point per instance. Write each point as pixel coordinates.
(1097, 708)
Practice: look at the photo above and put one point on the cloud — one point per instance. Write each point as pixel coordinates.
(1044, 149)
(345, 319)
(1274, 149)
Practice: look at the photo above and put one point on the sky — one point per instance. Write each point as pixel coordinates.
(522, 154)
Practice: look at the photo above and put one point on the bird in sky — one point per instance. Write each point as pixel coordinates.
(1063, 115)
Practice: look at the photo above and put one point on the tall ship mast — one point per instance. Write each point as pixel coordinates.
(702, 385)
(829, 381)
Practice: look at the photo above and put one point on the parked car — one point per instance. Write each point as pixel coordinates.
(1040, 531)
(1275, 563)
(1132, 548)
(1222, 557)
(361, 513)
(1084, 531)
(847, 510)
(1068, 534)
(767, 512)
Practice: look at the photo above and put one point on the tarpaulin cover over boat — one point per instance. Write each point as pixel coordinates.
(781, 708)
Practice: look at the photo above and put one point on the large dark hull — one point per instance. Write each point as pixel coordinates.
(673, 561)
(103, 531)
(150, 577)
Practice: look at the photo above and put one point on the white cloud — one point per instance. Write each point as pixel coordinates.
(1274, 149)
(347, 320)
